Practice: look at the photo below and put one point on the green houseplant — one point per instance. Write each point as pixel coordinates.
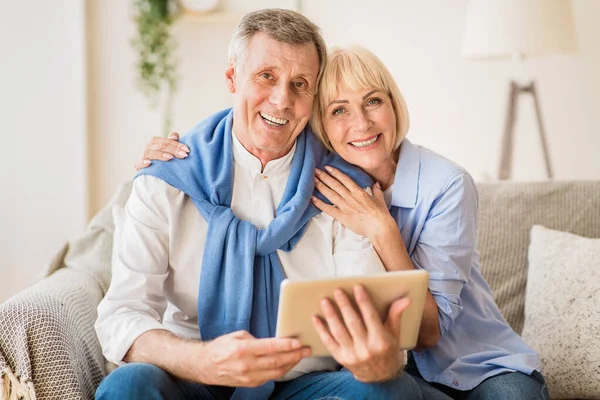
(155, 46)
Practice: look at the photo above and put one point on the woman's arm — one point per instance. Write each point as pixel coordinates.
(369, 216)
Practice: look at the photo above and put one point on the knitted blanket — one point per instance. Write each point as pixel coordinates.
(47, 331)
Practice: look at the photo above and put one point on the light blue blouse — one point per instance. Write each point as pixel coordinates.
(434, 202)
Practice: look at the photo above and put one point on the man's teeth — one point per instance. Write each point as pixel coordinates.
(365, 143)
(269, 119)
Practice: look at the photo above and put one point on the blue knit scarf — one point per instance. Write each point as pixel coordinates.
(241, 273)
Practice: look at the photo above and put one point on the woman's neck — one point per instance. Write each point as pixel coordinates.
(384, 173)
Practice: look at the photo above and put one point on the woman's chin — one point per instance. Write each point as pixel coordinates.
(367, 163)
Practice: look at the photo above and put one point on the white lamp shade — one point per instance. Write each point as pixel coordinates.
(503, 28)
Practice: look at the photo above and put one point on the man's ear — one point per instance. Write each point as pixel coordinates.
(230, 76)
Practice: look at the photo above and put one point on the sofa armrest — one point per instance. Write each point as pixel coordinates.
(47, 340)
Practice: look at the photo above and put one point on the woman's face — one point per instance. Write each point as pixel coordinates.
(361, 126)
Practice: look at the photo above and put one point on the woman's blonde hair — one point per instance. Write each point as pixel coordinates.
(356, 68)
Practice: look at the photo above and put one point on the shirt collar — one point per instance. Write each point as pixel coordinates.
(250, 162)
(406, 181)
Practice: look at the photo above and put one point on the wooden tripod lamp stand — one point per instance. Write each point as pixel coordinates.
(519, 28)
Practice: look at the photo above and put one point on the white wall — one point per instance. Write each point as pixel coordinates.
(457, 106)
(121, 121)
(43, 198)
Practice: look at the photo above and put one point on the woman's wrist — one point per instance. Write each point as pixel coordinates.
(387, 241)
(384, 232)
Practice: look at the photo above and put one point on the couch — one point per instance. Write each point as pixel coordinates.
(48, 348)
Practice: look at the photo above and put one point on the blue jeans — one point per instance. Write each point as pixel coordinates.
(505, 386)
(145, 381)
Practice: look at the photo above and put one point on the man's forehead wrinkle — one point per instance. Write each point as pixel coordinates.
(282, 63)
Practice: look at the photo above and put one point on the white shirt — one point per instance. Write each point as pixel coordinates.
(158, 248)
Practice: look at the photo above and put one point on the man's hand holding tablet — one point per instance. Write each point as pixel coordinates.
(352, 317)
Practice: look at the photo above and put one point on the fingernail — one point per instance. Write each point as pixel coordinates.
(306, 352)
(167, 156)
(328, 168)
(183, 154)
(313, 198)
(147, 162)
(185, 148)
(318, 171)
(296, 344)
(378, 185)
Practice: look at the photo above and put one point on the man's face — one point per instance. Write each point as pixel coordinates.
(273, 91)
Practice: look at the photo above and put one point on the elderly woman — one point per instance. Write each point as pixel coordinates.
(422, 213)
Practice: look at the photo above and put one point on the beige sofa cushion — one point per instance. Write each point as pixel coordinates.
(508, 210)
(562, 311)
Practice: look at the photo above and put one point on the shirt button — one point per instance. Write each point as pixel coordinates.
(419, 355)
(455, 382)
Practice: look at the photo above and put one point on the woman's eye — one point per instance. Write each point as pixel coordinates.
(299, 85)
(374, 101)
(267, 75)
(338, 111)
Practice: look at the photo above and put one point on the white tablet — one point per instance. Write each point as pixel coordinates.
(299, 300)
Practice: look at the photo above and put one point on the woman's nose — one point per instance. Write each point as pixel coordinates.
(361, 121)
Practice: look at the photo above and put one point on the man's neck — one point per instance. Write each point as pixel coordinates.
(264, 156)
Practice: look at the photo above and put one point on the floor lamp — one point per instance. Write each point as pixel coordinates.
(519, 29)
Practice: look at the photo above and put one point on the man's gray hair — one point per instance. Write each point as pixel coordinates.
(285, 26)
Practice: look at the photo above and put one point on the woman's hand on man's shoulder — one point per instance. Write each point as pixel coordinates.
(163, 149)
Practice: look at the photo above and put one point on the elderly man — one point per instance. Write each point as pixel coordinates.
(205, 242)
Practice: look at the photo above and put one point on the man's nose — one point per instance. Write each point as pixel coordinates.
(281, 96)
(361, 121)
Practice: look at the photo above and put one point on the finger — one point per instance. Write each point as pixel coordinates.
(377, 191)
(328, 340)
(343, 179)
(157, 155)
(167, 145)
(326, 208)
(241, 335)
(174, 136)
(352, 318)
(335, 325)
(329, 194)
(269, 346)
(257, 377)
(369, 314)
(379, 195)
(171, 147)
(141, 164)
(281, 360)
(332, 183)
(395, 314)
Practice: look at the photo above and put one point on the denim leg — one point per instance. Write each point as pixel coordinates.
(341, 385)
(146, 381)
(429, 391)
(514, 385)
